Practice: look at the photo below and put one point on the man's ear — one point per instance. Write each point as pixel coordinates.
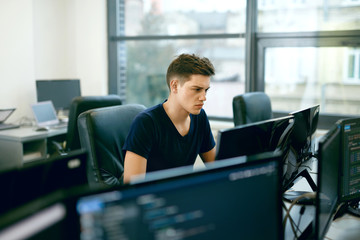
(174, 85)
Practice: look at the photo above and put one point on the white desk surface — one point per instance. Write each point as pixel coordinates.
(24, 134)
(346, 227)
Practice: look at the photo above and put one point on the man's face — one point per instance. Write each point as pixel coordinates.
(191, 95)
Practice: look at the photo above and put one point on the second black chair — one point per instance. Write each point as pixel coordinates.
(79, 105)
(251, 107)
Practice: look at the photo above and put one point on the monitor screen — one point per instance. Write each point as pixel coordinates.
(223, 201)
(60, 92)
(41, 177)
(253, 138)
(329, 156)
(302, 147)
(42, 219)
(350, 174)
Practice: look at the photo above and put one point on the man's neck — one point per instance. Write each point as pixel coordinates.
(179, 117)
(175, 112)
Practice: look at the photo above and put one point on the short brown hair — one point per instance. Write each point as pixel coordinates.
(186, 65)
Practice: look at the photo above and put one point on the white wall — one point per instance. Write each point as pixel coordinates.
(42, 39)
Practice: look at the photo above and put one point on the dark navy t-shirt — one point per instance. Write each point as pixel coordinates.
(154, 137)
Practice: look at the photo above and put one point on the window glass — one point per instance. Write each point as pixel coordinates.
(174, 17)
(308, 15)
(147, 63)
(146, 60)
(296, 78)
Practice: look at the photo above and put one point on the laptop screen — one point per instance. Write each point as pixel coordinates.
(44, 113)
(5, 113)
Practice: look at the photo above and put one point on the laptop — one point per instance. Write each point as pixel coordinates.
(45, 115)
(5, 114)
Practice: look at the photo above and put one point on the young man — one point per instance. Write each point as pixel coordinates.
(173, 133)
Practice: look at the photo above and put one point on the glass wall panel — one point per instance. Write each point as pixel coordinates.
(308, 15)
(296, 78)
(183, 17)
(147, 63)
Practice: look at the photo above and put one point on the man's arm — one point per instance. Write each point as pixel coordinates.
(208, 156)
(134, 165)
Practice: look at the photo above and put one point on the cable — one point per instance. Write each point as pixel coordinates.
(287, 215)
(302, 210)
(292, 224)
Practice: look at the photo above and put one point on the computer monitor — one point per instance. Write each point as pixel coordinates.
(350, 165)
(302, 146)
(329, 157)
(59, 91)
(223, 201)
(253, 138)
(36, 179)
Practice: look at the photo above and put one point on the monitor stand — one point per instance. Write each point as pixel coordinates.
(290, 196)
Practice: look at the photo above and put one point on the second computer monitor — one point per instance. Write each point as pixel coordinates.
(254, 138)
(59, 91)
(302, 148)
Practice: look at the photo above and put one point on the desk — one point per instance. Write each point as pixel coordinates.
(346, 227)
(24, 144)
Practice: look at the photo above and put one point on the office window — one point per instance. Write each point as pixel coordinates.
(307, 53)
(150, 33)
(296, 78)
(308, 15)
(147, 63)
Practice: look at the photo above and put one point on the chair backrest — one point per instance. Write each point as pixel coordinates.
(102, 133)
(251, 107)
(82, 104)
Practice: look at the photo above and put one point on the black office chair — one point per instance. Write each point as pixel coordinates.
(251, 107)
(79, 105)
(102, 133)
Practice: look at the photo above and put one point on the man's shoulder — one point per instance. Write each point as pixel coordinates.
(152, 111)
(150, 114)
